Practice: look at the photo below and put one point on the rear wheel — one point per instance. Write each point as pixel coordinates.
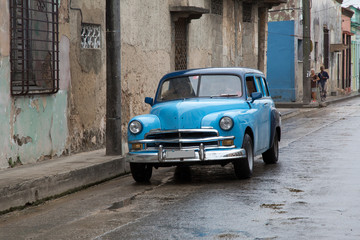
(141, 172)
(271, 156)
(244, 167)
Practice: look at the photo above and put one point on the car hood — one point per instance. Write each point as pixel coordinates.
(188, 113)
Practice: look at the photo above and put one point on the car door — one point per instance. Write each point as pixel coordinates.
(267, 103)
(261, 115)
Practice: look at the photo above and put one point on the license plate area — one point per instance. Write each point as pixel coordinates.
(176, 154)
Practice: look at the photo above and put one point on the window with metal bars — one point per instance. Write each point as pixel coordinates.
(181, 44)
(34, 53)
(217, 7)
(247, 12)
(90, 36)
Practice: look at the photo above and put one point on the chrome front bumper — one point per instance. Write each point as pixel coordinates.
(174, 156)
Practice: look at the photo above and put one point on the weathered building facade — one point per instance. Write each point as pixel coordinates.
(53, 63)
(355, 49)
(285, 57)
(52, 79)
(346, 75)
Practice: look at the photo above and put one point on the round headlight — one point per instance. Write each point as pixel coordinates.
(226, 123)
(135, 127)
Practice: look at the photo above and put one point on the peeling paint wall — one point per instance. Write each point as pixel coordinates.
(225, 40)
(32, 128)
(146, 52)
(87, 98)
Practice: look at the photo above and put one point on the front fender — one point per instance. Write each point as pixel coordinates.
(241, 122)
(148, 121)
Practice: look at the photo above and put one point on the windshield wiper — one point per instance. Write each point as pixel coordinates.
(228, 95)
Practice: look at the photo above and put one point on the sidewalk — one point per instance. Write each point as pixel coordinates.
(29, 184)
(329, 100)
(291, 109)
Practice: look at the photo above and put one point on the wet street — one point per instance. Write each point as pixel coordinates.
(312, 193)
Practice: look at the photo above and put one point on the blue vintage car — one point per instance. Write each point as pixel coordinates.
(206, 116)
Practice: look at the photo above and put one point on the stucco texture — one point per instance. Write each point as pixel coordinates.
(146, 54)
(87, 99)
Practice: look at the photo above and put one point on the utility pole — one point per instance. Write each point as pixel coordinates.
(306, 51)
(113, 78)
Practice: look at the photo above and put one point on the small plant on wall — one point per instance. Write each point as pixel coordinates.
(14, 163)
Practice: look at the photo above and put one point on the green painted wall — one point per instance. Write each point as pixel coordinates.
(5, 106)
(32, 127)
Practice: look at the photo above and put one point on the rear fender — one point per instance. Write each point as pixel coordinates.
(275, 124)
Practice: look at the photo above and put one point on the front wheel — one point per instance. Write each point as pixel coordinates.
(271, 156)
(141, 172)
(244, 167)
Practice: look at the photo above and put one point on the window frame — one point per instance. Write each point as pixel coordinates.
(159, 91)
(34, 41)
(247, 78)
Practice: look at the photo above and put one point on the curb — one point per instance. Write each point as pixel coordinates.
(336, 100)
(21, 192)
(328, 102)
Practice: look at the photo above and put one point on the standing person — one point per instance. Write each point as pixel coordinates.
(323, 77)
(314, 79)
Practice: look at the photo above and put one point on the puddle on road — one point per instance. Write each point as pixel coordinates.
(275, 206)
(294, 190)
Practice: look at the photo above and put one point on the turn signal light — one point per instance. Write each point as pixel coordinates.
(228, 142)
(137, 146)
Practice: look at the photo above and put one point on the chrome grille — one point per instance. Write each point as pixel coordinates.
(182, 138)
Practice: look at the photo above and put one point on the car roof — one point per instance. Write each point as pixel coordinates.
(201, 71)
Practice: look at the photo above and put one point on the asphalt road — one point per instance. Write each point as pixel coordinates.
(312, 193)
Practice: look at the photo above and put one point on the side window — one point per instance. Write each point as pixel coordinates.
(250, 84)
(259, 85)
(265, 87)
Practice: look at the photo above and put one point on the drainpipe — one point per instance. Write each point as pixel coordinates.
(113, 79)
(306, 52)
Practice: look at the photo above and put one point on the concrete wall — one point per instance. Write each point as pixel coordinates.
(224, 40)
(87, 99)
(324, 13)
(146, 53)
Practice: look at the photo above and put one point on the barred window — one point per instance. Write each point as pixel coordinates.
(90, 36)
(247, 12)
(34, 53)
(181, 45)
(217, 7)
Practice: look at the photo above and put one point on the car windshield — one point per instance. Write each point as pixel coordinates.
(200, 86)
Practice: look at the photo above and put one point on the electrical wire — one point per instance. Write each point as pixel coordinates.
(76, 9)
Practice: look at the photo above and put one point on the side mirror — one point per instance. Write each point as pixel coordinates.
(149, 101)
(256, 95)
